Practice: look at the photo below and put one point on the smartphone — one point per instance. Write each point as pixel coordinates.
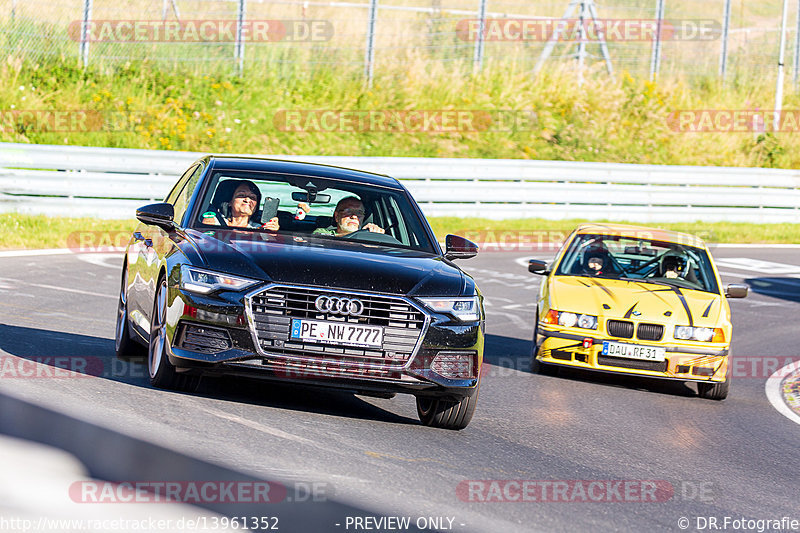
(270, 209)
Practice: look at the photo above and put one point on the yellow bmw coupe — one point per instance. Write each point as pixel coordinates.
(635, 300)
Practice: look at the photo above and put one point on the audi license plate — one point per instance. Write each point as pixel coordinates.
(633, 351)
(337, 333)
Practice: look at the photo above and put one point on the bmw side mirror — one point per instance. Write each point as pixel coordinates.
(736, 290)
(459, 248)
(161, 214)
(537, 266)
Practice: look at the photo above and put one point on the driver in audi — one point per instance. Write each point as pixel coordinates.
(348, 216)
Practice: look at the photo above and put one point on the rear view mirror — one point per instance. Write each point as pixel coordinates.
(537, 266)
(311, 197)
(736, 290)
(459, 248)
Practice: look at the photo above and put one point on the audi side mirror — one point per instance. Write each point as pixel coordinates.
(161, 214)
(457, 247)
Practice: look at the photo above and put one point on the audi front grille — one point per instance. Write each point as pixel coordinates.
(273, 309)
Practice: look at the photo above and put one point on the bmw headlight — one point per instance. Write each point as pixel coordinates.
(206, 281)
(465, 308)
(690, 333)
(571, 320)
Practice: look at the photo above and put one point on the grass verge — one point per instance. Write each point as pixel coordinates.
(547, 117)
(19, 231)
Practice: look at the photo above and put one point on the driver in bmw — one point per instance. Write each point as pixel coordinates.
(348, 216)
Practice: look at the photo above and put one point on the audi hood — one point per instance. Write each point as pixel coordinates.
(341, 264)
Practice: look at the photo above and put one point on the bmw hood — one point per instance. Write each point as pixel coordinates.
(648, 302)
(329, 263)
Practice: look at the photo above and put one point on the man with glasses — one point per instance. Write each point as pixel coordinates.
(348, 217)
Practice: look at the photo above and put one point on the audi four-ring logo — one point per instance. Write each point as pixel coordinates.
(339, 306)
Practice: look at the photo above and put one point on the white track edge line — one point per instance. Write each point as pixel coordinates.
(775, 395)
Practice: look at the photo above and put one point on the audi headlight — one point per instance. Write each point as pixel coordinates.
(690, 333)
(465, 309)
(205, 281)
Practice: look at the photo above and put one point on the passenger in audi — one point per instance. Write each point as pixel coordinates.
(349, 217)
(243, 204)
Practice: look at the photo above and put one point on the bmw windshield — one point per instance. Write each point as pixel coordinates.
(630, 258)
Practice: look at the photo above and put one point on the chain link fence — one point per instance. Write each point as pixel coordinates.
(384, 36)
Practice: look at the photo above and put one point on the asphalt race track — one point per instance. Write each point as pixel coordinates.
(735, 459)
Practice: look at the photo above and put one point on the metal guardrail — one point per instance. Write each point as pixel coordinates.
(112, 182)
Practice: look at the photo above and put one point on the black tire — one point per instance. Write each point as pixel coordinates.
(544, 369)
(126, 348)
(714, 391)
(446, 414)
(162, 372)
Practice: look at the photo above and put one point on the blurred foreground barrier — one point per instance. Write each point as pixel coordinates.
(112, 182)
(109, 467)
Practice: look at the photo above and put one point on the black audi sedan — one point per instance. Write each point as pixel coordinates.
(304, 273)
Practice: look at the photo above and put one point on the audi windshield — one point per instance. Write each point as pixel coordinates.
(311, 208)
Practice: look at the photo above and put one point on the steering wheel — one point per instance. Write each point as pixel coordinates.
(366, 235)
(356, 233)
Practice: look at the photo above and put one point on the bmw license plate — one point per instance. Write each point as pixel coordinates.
(633, 351)
(337, 333)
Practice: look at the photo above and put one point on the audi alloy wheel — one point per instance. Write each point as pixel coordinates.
(162, 372)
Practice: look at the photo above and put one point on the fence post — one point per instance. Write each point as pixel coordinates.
(238, 53)
(84, 49)
(478, 58)
(655, 58)
(797, 48)
(369, 58)
(726, 23)
(776, 120)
